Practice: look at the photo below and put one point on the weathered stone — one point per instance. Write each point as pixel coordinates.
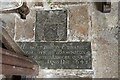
(78, 23)
(54, 55)
(9, 20)
(66, 3)
(51, 25)
(104, 42)
(38, 3)
(65, 74)
(24, 29)
(119, 38)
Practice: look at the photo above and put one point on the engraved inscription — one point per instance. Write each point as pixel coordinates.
(51, 25)
(54, 55)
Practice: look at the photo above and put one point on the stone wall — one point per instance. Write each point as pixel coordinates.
(105, 43)
(84, 23)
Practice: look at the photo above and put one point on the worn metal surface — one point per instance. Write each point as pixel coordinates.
(53, 55)
(11, 59)
(51, 25)
(14, 64)
(9, 42)
(14, 70)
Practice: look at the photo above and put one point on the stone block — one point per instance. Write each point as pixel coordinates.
(24, 29)
(9, 20)
(78, 23)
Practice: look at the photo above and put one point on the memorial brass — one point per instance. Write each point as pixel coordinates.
(51, 25)
(62, 55)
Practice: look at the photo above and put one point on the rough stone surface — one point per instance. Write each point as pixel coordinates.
(105, 42)
(24, 29)
(78, 23)
(9, 19)
(51, 25)
(57, 55)
(102, 35)
(119, 40)
(65, 73)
